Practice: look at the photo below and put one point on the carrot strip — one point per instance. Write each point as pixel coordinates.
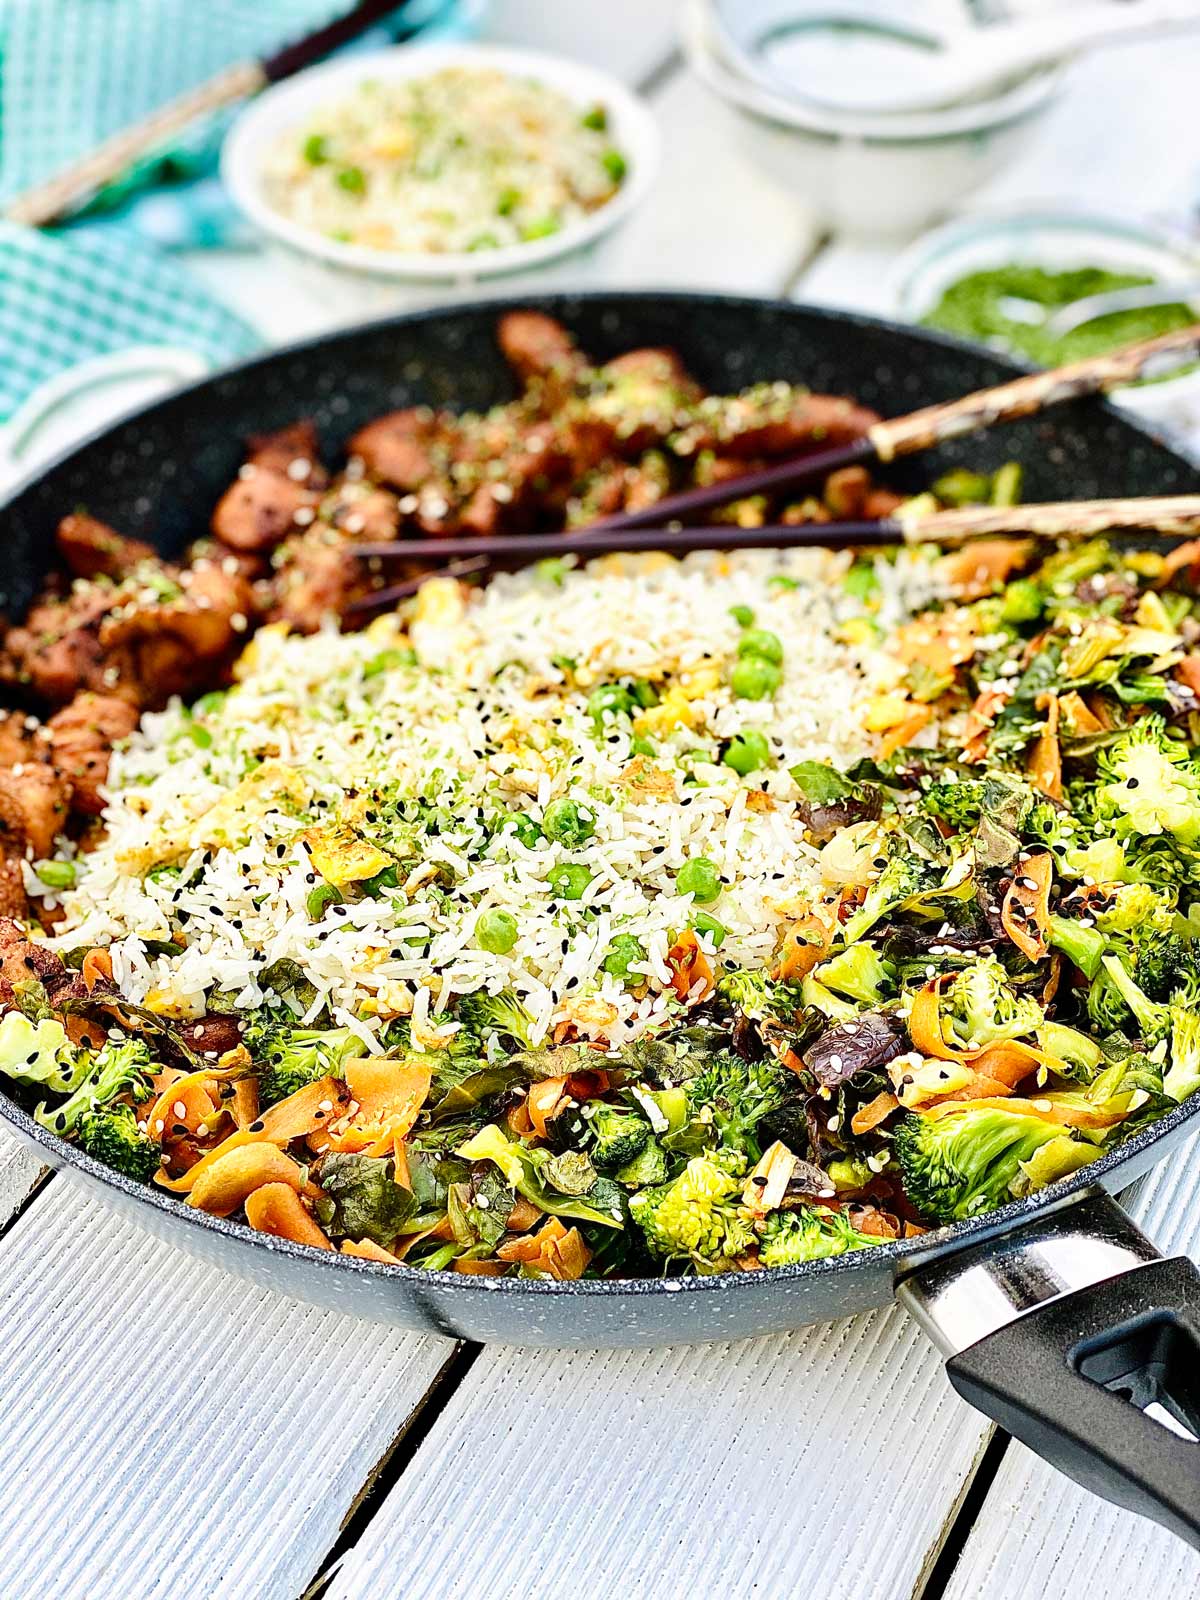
(874, 1112)
(1029, 926)
(544, 1102)
(277, 1209)
(368, 1250)
(300, 1114)
(224, 1185)
(690, 968)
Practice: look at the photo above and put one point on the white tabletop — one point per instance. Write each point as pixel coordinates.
(166, 1429)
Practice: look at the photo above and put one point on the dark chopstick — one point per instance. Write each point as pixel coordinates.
(932, 425)
(46, 202)
(1168, 516)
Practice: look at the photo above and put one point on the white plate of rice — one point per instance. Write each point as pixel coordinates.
(450, 162)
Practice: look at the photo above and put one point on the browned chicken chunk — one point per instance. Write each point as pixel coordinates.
(34, 806)
(92, 549)
(81, 737)
(275, 492)
(404, 448)
(536, 346)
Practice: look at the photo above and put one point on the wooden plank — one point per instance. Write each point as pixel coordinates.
(170, 1429)
(827, 1461)
(1038, 1533)
(20, 1174)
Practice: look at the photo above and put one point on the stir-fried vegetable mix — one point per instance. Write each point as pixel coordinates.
(996, 982)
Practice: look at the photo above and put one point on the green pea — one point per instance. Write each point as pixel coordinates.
(759, 642)
(607, 698)
(507, 202)
(325, 894)
(353, 180)
(747, 751)
(861, 581)
(644, 693)
(564, 822)
(755, 678)
(568, 881)
(641, 746)
(387, 879)
(484, 241)
(316, 149)
(700, 879)
(717, 931)
(614, 164)
(56, 874)
(526, 829)
(622, 953)
(742, 615)
(496, 932)
(596, 118)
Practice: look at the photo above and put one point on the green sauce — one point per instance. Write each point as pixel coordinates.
(978, 307)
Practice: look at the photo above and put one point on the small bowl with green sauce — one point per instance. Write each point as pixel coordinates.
(998, 280)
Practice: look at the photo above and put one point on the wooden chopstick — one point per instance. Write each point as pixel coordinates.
(68, 189)
(920, 430)
(1168, 516)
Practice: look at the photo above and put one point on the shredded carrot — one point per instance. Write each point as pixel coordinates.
(545, 1101)
(388, 1095)
(904, 732)
(874, 1112)
(522, 1216)
(691, 971)
(804, 946)
(368, 1250)
(300, 1114)
(222, 1187)
(1025, 915)
(555, 1249)
(480, 1269)
(97, 965)
(1079, 715)
(980, 566)
(1044, 764)
(277, 1209)
(243, 1104)
(1188, 672)
(1183, 555)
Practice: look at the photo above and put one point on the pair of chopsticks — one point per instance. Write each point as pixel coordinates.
(659, 526)
(65, 192)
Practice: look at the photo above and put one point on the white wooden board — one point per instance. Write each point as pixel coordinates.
(825, 1462)
(167, 1429)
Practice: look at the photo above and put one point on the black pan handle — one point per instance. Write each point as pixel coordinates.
(1080, 1340)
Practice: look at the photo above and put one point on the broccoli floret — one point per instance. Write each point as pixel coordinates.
(857, 972)
(1182, 1077)
(698, 1216)
(982, 1007)
(809, 1234)
(966, 1161)
(120, 1068)
(501, 1015)
(112, 1135)
(1146, 785)
(733, 1096)
(759, 997)
(1134, 907)
(963, 801)
(904, 876)
(289, 1059)
(618, 1134)
(1115, 984)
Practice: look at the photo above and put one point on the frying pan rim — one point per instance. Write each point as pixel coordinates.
(987, 1224)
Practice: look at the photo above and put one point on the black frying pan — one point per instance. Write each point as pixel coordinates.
(1054, 1311)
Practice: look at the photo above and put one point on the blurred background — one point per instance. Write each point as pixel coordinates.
(982, 165)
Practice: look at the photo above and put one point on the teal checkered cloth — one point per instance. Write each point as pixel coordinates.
(72, 72)
(62, 301)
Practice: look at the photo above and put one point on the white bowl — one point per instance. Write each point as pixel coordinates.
(1057, 240)
(634, 132)
(866, 174)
